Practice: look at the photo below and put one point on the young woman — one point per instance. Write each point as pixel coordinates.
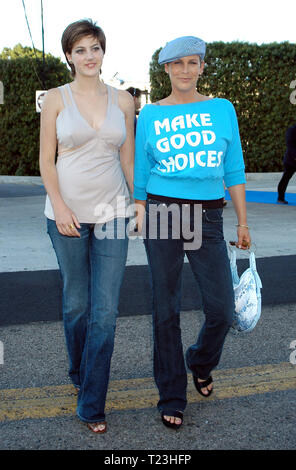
(187, 145)
(92, 124)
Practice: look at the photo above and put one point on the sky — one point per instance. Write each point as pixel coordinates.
(135, 28)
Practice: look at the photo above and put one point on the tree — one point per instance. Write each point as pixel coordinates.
(21, 51)
(256, 79)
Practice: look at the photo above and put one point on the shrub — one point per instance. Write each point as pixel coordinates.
(20, 73)
(256, 79)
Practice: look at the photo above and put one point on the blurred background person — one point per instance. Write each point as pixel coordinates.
(136, 94)
(289, 164)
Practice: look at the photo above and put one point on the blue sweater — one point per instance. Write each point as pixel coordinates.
(187, 150)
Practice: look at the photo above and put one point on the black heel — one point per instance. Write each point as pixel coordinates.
(200, 385)
(175, 414)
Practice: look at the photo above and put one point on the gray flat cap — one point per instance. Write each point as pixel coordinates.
(182, 47)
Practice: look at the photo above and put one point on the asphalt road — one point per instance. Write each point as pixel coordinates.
(253, 406)
(250, 410)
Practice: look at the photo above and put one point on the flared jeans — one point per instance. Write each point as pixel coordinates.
(92, 271)
(211, 268)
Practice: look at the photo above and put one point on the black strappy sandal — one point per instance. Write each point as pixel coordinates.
(175, 414)
(204, 384)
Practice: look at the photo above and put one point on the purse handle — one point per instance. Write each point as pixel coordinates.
(252, 249)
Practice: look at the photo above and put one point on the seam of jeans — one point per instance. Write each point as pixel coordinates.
(87, 339)
(88, 334)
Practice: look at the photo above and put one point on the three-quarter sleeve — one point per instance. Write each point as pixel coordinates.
(234, 167)
(143, 162)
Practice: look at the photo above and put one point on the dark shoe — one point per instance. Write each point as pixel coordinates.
(282, 201)
(175, 414)
(204, 384)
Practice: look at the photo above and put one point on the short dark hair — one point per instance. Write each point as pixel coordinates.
(77, 30)
(134, 91)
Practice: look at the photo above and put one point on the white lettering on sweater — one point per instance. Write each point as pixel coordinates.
(179, 121)
(193, 138)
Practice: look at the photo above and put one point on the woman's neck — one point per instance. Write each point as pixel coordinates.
(183, 97)
(88, 85)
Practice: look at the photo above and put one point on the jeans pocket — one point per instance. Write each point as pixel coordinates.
(151, 202)
(213, 216)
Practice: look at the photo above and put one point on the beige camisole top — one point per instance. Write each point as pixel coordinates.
(90, 176)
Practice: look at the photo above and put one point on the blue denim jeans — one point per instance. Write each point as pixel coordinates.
(211, 269)
(92, 270)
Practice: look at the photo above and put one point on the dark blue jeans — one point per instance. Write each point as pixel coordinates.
(211, 268)
(92, 270)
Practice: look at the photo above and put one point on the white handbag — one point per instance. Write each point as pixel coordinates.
(247, 295)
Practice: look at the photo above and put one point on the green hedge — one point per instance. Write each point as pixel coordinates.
(20, 123)
(256, 79)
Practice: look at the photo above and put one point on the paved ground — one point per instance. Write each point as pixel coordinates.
(254, 403)
(25, 244)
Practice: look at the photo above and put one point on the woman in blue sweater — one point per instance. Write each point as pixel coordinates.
(187, 145)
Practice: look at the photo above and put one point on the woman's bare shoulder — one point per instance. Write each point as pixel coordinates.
(53, 93)
(125, 100)
(53, 100)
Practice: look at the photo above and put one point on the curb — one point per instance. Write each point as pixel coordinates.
(37, 180)
(276, 176)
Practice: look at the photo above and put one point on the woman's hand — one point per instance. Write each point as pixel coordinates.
(66, 221)
(243, 238)
(140, 213)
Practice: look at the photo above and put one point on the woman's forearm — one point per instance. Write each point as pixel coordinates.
(128, 171)
(238, 197)
(50, 179)
(127, 150)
